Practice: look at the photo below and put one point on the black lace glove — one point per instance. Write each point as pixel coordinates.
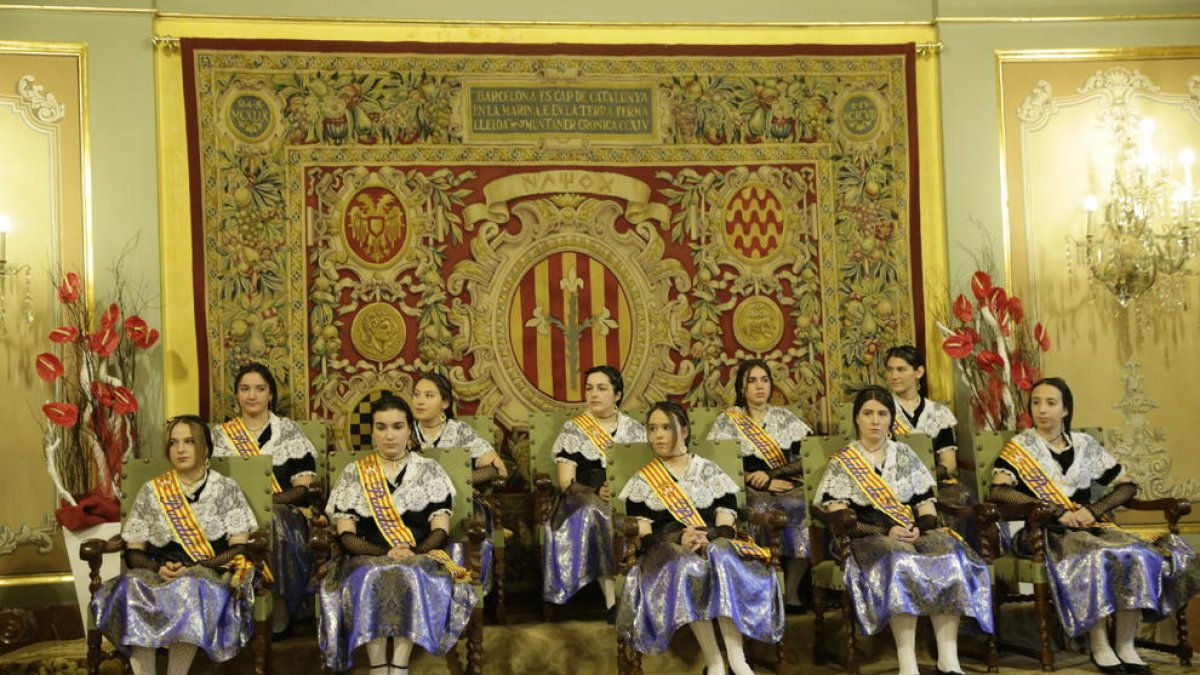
(927, 522)
(1118, 496)
(862, 529)
(484, 475)
(436, 539)
(136, 558)
(672, 533)
(292, 495)
(1007, 494)
(356, 545)
(721, 532)
(219, 561)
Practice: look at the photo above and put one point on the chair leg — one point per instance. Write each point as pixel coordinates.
(993, 640)
(851, 635)
(1184, 649)
(820, 654)
(498, 584)
(260, 644)
(1041, 599)
(475, 642)
(94, 656)
(781, 665)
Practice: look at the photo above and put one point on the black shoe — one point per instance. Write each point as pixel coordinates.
(1118, 669)
(1136, 668)
(610, 615)
(795, 610)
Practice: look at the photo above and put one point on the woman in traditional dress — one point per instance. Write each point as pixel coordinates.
(770, 442)
(916, 414)
(258, 430)
(184, 588)
(902, 565)
(391, 510)
(1095, 568)
(578, 539)
(433, 408)
(692, 568)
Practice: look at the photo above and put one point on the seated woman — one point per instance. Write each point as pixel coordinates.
(1095, 568)
(182, 591)
(391, 510)
(770, 441)
(691, 572)
(433, 408)
(578, 540)
(901, 566)
(916, 414)
(258, 430)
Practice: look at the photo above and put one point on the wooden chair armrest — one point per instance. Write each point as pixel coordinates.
(840, 522)
(1173, 509)
(94, 549)
(324, 545)
(543, 489)
(631, 541)
(1034, 514)
(773, 521)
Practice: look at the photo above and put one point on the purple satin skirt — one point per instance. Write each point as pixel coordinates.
(1094, 573)
(373, 596)
(937, 574)
(458, 553)
(795, 533)
(578, 547)
(671, 587)
(139, 609)
(291, 558)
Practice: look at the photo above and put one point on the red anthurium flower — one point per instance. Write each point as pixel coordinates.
(1023, 375)
(989, 360)
(104, 341)
(110, 316)
(139, 333)
(1042, 336)
(102, 392)
(998, 300)
(62, 414)
(963, 309)
(149, 340)
(49, 368)
(68, 288)
(64, 335)
(971, 334)
(1016, 310)
(124, 402)
(959, 345)
(981, 285)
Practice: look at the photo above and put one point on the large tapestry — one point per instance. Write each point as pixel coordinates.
(512, 215)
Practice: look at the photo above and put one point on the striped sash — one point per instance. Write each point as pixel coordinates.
(182, 519)
(683, 510)
(763, 444)
(595, 433)
(387, 517)
(900, 425)
(238, 434)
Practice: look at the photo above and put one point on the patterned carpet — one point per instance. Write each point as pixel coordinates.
(579, 647)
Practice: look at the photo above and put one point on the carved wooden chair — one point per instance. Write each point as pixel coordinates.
(543, 477)
(623, 464)
(253, 475)
(828, 573)
(1010, 571)
(490, 494)
(464, 528)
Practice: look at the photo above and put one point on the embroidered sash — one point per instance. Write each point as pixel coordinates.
(182, 519)
(595, 433)
(683, 510)
(375, 486)
(764, 445)
(876, 488)
(900, 425)
(238, 434)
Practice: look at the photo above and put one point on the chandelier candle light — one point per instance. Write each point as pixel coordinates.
(1148, 224)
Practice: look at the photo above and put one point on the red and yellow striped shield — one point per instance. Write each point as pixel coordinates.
(754, 224)
(569, 313)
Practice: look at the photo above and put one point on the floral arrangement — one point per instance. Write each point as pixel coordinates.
(997, 355)
(92, 423)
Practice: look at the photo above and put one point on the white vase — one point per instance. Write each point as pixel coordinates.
(109, 568)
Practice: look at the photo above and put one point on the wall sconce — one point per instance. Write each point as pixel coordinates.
(15, 271)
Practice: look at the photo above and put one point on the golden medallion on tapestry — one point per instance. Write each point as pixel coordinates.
(375, 226)
(250, 112)
(758, 323)
(378, 332)
(861, 116)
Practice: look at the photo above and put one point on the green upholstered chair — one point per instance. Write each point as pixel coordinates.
(465, 528)
(625, 460)
(702, 420)
(253, 476)
(828, 574)
(1009, 571)
(485, 426)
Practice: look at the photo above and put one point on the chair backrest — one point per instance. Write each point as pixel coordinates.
(482, 425)
(543, 430)
(624, 461)
(845, 420)
(457, 464)
(252, 474)
(317, 433)
(702, 420)
(726, 455)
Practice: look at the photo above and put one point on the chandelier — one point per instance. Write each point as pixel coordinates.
(1145, 233)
